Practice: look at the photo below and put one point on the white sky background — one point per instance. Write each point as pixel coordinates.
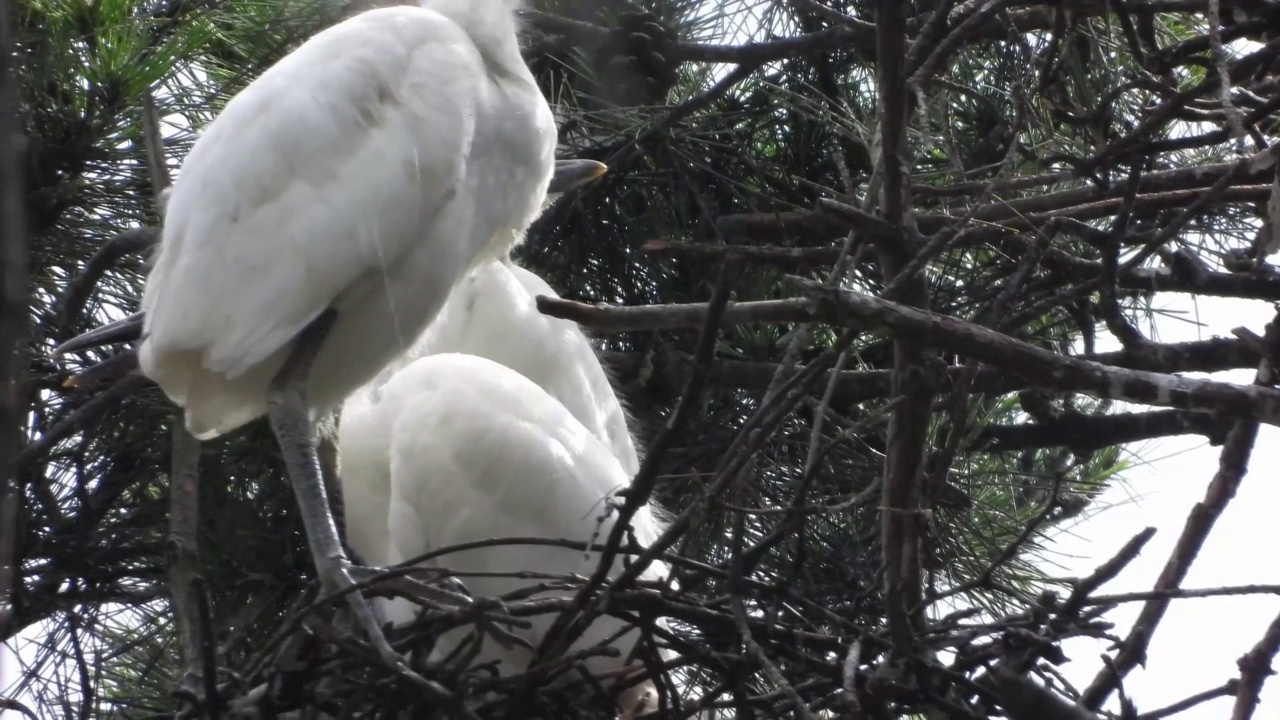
(1196, 646)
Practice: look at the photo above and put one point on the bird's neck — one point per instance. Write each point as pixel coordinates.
(492, 26)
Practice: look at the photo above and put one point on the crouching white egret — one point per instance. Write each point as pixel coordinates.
(465, 449)
(491, 314)
(321, 220)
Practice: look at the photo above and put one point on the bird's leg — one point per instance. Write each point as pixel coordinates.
(290, 418)
(291, 422)
(327, 452)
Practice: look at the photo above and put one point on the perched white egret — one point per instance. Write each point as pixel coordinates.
(458, 448)
(321, 220)
(512, 453)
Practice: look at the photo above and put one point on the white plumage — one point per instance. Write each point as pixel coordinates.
(450, 448)
(359, 178)
(366, 172)
(493, 313)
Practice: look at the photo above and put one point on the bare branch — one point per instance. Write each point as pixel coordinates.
(1034, 365)
(1233, 465)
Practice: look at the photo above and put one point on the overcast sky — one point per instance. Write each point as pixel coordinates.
(1198, 643)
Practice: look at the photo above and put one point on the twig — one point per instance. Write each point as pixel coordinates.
(1107, 571)
(1183, 593)
(681, 111)
(569, 625)
(1232, 467)
(97, 406)
(1014, 546)
(1255, 668)
(736, 573)
(958, 36)
(1225, 690)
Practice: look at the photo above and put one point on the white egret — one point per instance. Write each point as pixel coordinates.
(512, 480)
(458, 448)
(321, 220)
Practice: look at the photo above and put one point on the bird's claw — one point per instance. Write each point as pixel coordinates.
(488, 614)
(339, 577)
(445, 590)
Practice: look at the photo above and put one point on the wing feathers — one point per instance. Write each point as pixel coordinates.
(321, 172)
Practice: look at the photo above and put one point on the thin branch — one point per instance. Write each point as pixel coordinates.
(569, 625)
(1255, 668)
(1233, 465)
(1227, 689)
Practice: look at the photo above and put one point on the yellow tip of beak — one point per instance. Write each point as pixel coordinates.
(570, 174)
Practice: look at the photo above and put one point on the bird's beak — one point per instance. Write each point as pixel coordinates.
(570, 174)
(125, 329)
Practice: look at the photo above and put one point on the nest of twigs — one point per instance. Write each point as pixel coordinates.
(750, 654)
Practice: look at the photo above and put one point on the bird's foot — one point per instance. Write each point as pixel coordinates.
(431, 585)
(443, 589)
(339, 578)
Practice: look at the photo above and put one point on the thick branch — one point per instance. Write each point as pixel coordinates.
(995, 219)
(1156, 190)
(852, 33)
(855, 386)
(1252, 285)
(1036, 366)
(1091, 432)
(14, 299)
(182, 552)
